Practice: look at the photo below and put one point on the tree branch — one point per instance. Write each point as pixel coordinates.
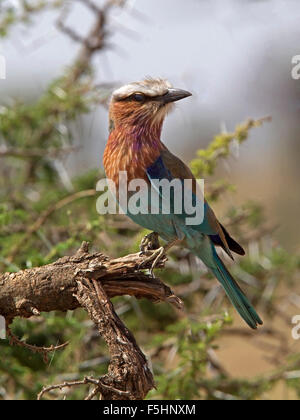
(89, 280)
(35, 226)
(35, 349)
(94, 41)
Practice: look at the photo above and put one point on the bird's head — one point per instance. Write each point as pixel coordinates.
(143, 103)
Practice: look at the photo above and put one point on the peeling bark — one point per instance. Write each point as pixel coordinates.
(89, 281)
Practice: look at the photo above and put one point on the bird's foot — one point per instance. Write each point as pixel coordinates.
(156, 256)
(150, 242)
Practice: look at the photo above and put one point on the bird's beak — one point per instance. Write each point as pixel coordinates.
(174, 95)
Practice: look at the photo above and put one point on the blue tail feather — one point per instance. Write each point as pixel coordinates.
(235, 294)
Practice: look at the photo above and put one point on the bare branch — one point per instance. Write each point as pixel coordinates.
(45, 215)
(13, 340)
(94, 41)
(52, 287)
(127, 360)
(88, 281)
(84, 381)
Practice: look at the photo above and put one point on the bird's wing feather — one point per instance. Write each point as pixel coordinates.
(233, 245)
(170, 167)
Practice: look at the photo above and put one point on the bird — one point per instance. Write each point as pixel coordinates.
(137, 112)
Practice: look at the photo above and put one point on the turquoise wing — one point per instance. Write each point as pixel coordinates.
(158, 172)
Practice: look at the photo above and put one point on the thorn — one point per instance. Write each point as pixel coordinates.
(84, 248)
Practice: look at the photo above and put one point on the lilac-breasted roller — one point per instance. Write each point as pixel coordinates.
(136, 116)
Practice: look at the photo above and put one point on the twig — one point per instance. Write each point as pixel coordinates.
(93, 42)
(45, 215)
(85, 381)
(13, 340)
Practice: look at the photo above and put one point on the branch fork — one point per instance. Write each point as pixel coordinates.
(90, 280)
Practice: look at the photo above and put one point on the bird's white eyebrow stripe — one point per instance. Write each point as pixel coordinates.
(150, 87)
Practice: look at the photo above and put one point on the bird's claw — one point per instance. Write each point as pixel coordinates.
(160, 252)
(155, 256)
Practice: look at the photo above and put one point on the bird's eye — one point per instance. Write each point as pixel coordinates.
(139, 97)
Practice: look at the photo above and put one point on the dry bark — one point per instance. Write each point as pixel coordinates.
(89, 280)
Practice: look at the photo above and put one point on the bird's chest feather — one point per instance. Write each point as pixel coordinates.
(127, 152)
(135, 156)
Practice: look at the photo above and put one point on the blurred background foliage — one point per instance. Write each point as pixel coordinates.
(45, 213)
